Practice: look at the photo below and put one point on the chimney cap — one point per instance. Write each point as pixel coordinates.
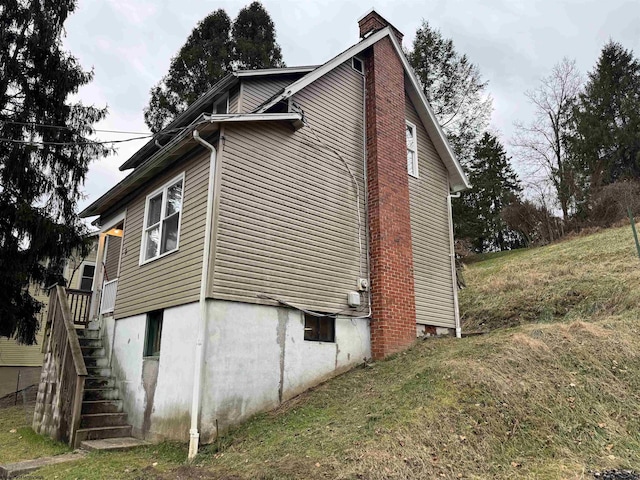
(372, 21)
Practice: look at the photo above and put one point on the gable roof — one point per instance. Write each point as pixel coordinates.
(203, 102)
(206, 125)
(457, 179)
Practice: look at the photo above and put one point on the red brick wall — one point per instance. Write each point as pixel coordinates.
(393, 325)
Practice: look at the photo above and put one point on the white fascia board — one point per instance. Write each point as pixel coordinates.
(432, 125)
(252, 117)
(327, 67)
(275, 71)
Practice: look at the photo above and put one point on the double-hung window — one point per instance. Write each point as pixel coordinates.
(162, 220)
(412, 149)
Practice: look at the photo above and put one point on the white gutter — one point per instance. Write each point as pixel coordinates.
(454, 276)
(194, 436)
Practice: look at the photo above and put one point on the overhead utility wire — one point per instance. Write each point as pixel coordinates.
(69, 144)
(62, 127)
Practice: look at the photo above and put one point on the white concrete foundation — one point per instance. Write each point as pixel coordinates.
(255, 358)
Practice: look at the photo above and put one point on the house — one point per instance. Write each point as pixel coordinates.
(20, 365)
(290, 224)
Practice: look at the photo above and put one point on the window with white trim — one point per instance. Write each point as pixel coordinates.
(358, 65)
(412, 149)
(86, 276)
(162, 214)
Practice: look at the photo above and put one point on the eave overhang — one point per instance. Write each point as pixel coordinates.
(181, 144)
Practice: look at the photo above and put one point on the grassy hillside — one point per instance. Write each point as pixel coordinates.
(551, 398)
(585, 277)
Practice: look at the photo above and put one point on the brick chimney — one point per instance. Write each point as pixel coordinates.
(393, 325)
(373, 22)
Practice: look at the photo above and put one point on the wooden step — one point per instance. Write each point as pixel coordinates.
(90, 342)
(94, 420)
(96, 371)
(102, 362)
(101, 406)
(108, 393)
(99, 382)
(92, 351)
(86, 333)
(98, 433)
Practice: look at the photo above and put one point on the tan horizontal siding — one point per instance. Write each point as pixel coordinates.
(287, 223)
(257, 91)
(233, 101)
(430, 233)
(16, 355)
(174, 279)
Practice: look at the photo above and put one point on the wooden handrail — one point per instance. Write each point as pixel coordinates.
(59, 403)
(74, 343)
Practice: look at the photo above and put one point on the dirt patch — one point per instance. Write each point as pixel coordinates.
(185, 472)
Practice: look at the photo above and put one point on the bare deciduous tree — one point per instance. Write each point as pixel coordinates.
(542, 144)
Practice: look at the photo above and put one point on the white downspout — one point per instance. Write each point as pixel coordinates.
(454, 276)
(194, 436)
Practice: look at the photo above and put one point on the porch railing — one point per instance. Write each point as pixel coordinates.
(108, 300)
(79, 304)
(63, 374)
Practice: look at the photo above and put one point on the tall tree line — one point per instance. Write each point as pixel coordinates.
(215, 47)
(462, 104)
(585, 135)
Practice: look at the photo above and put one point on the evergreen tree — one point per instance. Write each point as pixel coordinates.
(44, 156)
(214, 48)
(494, 185)
(201, 62)
(606, 144)
(254, 39)
(454, 88)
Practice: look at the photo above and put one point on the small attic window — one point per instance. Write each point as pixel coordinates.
(221, 106)
(358, 65)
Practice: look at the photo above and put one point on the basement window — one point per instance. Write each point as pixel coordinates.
(319, 328)
(358, 65)
(412, 150)
(153, 334)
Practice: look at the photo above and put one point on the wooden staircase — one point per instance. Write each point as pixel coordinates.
(102, 416)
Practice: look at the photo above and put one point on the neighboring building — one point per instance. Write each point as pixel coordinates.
(295, 222)
(20, 364)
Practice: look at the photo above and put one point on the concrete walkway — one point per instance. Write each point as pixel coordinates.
(13, 470)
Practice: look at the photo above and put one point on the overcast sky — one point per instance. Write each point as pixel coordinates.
(129, 44)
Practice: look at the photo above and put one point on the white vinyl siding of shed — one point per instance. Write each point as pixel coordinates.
(430, 232)
(287, 223)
